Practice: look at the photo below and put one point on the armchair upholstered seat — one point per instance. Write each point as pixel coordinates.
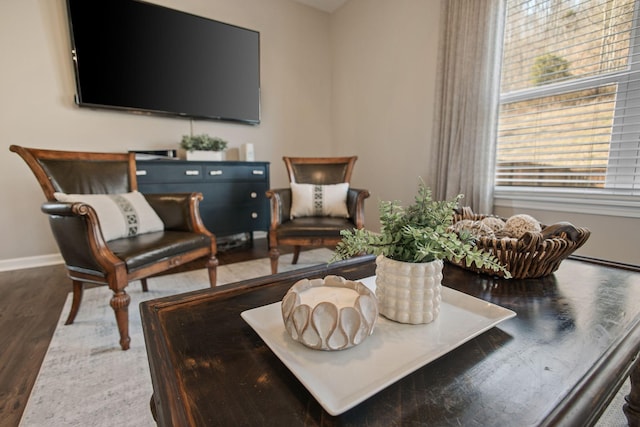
(313, 229)
(162, 231)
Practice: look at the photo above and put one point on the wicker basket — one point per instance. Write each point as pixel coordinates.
(533, 254)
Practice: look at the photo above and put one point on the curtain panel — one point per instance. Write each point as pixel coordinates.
(467, 98)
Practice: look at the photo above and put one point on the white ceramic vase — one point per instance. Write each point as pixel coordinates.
(408, 292)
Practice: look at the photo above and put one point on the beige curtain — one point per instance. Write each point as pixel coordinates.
(467, 96)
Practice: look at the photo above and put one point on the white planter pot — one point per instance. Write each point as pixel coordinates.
(408, 292)
(205, 155)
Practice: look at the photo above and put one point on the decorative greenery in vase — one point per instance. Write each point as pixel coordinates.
(419, 233)
(202, 142)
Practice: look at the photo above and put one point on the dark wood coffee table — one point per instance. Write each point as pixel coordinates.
(560, 361)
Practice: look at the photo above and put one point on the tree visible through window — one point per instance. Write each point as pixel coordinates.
(570, 96)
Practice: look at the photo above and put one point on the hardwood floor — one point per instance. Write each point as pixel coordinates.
(31, 301)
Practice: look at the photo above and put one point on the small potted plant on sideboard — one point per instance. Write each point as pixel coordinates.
(202, 147)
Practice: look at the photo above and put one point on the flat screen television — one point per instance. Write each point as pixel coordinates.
(136, 56)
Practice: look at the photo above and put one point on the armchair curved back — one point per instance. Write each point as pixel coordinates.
(80, 172)
(319, 170)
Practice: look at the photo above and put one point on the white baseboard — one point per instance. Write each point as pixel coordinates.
(30, 262)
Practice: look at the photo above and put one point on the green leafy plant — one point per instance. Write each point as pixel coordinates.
(419, 233)
(202, 142)
(549, 68)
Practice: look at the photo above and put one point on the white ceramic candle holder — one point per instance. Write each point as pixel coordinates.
(329, 314)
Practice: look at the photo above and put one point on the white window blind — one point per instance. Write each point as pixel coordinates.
(570, 97)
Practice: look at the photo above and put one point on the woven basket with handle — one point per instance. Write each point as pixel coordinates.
(533, 254)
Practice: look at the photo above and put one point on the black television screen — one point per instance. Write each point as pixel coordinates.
(138, 56)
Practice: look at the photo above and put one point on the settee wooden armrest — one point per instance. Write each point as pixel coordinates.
(280, 205)
(355, 205)
(76, 228)
(178, 211)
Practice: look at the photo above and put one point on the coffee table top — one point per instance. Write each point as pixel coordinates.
(561, 359)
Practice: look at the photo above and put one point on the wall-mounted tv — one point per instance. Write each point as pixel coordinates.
(136, 56)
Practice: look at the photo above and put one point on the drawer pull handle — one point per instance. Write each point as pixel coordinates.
(254, 215)
(192, 172)
(141, 172)
(257, 172)
(254, 195)
(216, 172)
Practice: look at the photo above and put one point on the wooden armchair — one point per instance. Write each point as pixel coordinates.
(313, 228)
(90, 253)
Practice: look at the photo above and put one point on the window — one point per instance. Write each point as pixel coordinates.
(569, 118)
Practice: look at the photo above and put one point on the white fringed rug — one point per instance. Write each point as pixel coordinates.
(87, 380)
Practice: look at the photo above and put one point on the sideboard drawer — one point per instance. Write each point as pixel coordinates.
(239, 220)
(237, 193)
(233, 173)
(168, 172)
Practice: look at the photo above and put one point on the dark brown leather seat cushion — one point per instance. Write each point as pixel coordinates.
(314, 227)
(146, 249)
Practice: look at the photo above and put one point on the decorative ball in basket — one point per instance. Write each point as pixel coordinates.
(525, 247)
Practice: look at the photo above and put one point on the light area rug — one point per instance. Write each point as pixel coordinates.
(87, 380)
(613, 416)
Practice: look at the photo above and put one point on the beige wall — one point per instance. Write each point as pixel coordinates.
(384, 65)
(37, 109)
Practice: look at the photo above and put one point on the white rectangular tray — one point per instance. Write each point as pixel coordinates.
(339, 380)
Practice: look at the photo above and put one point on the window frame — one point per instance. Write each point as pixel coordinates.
(607, 201)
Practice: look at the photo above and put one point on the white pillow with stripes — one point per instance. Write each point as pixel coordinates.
(120, 215)
(319, 200)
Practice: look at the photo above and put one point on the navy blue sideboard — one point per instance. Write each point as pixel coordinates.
(234, 191)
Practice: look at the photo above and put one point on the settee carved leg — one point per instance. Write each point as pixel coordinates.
(212, 267)
(120, 304)
(143, 282)
(78, 287)
(632, 406)
(274, 254)
(296, 254)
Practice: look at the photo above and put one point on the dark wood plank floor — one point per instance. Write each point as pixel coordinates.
(31, 301)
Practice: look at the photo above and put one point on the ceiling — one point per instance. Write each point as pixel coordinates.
(324, 5)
